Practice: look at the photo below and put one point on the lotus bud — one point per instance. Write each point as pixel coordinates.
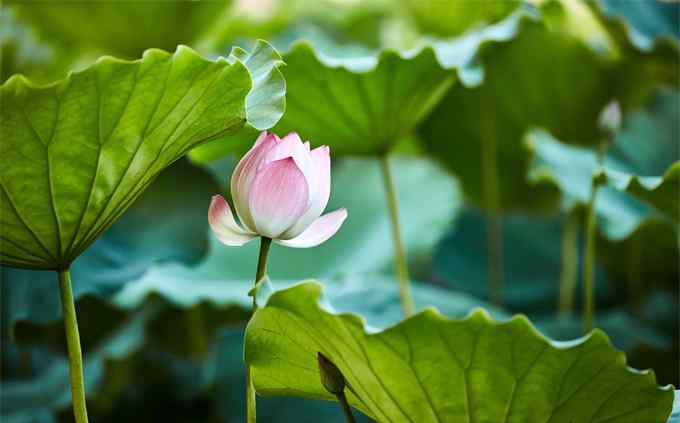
(279, 190)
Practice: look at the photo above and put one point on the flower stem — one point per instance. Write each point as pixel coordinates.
(75, 356)
(346, 410)
(400, 264)
(589, 260)
(589, 265)
(569, 273)
(251, 405)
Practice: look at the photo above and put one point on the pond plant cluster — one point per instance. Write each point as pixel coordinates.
(390, 210)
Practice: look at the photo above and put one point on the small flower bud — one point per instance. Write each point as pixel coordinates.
(610, 117)
(331, 377)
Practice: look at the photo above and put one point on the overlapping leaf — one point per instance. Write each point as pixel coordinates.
(626, 199)
(363, 102)
(429, 368)
(78, 152)
(563, 92)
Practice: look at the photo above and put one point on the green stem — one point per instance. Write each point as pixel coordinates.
(400, 263)
(491, 193)
(569, 273)
(75, 356)
(251, 405)
(589, 260)
(589, 265)
(346, 410)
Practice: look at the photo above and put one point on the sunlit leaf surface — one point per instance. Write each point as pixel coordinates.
(78, 152)
(429, 368)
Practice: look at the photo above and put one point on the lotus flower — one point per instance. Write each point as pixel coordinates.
(279, 189)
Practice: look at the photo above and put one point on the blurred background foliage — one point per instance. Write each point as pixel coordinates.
(493, 115)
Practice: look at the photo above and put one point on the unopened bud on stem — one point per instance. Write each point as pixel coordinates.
(610, 117)
(331, 377)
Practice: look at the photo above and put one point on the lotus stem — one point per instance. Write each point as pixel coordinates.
(569, 272)
(400, 263)
(591, 230)
(346, 410)
(251, 404)
(589, 265)
(75, 355)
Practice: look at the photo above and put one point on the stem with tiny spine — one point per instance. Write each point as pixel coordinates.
(75, 355)
(589, 260)
(400, 262)
(346, 410)
(251, 405)
(569, 272)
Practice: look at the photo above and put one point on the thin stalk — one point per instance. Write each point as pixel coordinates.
(589, 260)
(491, 194)
(569, 273)
(251, 405)
(589, 265)
(346, 410)
(75, 356)
(400, 263)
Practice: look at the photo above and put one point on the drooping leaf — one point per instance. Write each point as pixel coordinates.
(78, 152)
(562, 92)
(626, 199)
(429, 368)
(119, 27)
(363, 102)
(166, 224)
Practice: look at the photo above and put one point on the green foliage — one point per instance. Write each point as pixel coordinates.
(562, 92)
(122, 122)
(175, 203)
(429, 368)
(362, 102)
(119, 27)
(622, 203)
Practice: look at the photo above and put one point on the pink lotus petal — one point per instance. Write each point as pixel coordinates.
(245, 172)
(291, 146)
(223, 224)
(279, 195)
(318, 232)
(320, 193)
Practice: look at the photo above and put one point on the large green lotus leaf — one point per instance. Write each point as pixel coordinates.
(167, 223)
(363, 102)
(457, 16)
(78, 152)
(626, 199)
(119, 27)
(563, 92)
(429, 368)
